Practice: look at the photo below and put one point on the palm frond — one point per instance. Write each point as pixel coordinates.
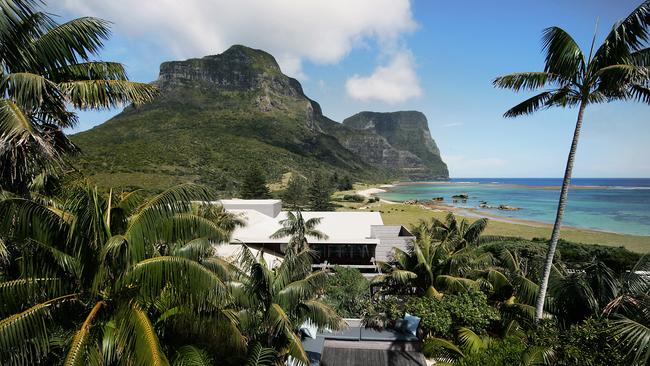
(103, 94)
(91, 70)
(640, 93)
(25, 333)
(525, 80)
(635, 338)
(530, 105)
(261, 356)
(138, 333)
(470, 341)
(441, 342)
(16, 294)
(455, 284)
(77, 349)
(69, 42)
(302, 289)
(401, 276)
(538, 356)
(29, 90)
(196, 283)
(194, 250)
(323, 315)
(632, 32)
(525, 289)
(192, 356)
(563, 55)
(641, 57)
(144, 225)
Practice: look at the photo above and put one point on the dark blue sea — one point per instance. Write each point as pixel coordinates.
(619, 205)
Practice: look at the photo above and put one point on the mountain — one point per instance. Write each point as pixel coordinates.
(397, 140)
(218, 115)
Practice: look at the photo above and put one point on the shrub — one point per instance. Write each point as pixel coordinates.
(347, 291)
(436, 318)
(353, 198)
(504, 352)
(470, 310)
(587, 343)
(440, 317)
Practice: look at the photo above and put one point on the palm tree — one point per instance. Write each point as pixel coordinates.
(617, 70)
(276, 301)
(44, 67)
(297, 229)
(430, 268)
(457, 235)
(625, 298)
(122, 269)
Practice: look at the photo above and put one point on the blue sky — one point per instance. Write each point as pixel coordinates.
(435, 57)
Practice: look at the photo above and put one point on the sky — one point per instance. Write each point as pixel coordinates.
(438, 57)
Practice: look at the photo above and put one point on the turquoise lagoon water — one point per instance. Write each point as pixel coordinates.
(617, 205)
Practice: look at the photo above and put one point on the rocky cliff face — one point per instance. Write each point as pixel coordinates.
(399, 140)
(219, 114)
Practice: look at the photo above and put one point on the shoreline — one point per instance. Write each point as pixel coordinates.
(472, 212)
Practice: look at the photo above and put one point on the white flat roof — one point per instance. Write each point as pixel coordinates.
(249, 202)
(340, 227)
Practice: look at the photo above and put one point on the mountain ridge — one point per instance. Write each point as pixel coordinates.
(214, 117)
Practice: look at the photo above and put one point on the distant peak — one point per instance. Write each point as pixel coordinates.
(239, 67)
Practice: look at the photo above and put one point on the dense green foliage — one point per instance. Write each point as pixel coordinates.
(348, 292)
(92, 276)
(475, 295)
(295, 195)
(319, 194)
(254, 185)
(507, 351)
(440, 317)
(44, 68)
(587, 343)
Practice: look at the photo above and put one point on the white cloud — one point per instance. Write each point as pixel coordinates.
(393, 83)
(320, 31)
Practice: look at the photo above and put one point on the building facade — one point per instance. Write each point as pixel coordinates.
(356, 239)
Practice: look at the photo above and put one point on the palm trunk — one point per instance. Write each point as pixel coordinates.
(555, 236)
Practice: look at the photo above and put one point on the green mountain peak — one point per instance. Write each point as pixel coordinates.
(219, 114)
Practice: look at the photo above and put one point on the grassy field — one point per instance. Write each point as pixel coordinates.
(408, 215)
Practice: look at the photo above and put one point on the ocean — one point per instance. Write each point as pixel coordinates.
(619, 205)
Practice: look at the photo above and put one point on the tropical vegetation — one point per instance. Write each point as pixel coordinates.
(617, 70)
(476, 295)
(98, 276)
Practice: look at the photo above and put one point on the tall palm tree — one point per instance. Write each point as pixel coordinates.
(119, 268)
(297, 229)
(276, 301)
(617, 70)
(44, 67)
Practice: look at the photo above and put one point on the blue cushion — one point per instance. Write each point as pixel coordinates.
(410, 324)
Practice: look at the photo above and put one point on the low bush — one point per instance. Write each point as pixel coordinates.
(347, 291)
(353, 198)
(507, 351)
(587, 343)
(440, 317)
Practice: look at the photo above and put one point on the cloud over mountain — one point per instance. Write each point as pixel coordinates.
(393, 83)
(319, 31)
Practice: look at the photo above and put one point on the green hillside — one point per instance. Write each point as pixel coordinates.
(215, 117)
